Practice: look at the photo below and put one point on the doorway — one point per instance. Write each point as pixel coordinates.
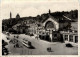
(76, 39)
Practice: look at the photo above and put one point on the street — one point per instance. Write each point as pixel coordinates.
(40, 47)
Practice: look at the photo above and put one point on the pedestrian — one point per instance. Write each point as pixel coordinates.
(49, 49)
(17, 37)
(14, 36)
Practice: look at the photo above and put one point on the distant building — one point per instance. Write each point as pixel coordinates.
(53, 25)
(56, 24)
(17, 16)
(21, 28)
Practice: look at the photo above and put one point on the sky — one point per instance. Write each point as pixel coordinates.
(31, 8)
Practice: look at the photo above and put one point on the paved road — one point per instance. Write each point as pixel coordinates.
(41, 47)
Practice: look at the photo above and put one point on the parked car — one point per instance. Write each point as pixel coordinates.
(69, 45)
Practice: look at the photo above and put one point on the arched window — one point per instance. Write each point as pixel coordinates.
(49, 24)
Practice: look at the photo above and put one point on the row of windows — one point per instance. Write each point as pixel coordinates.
(71, 38)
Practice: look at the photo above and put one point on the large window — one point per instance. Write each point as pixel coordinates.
(71, 38)
(49, 25)
(66, 37)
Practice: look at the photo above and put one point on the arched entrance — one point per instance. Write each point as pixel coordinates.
(50, 26)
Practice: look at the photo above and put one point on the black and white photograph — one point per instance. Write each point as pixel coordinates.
(39, 28)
